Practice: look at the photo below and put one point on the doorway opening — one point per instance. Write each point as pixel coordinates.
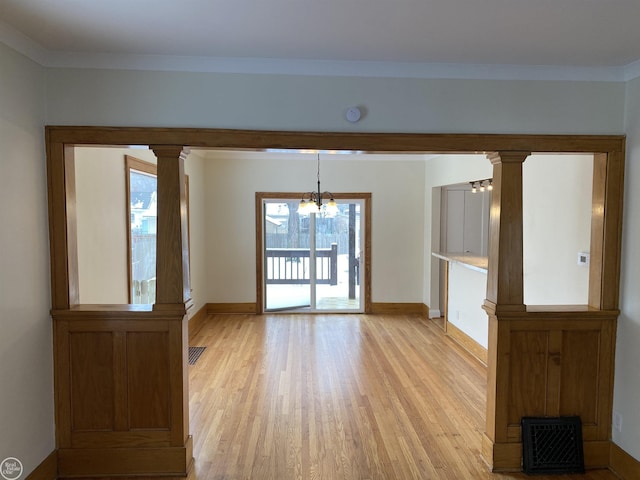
(312, 262)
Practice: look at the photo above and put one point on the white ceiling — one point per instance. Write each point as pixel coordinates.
(589, 36)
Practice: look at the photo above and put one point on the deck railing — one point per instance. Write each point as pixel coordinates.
(286, 266)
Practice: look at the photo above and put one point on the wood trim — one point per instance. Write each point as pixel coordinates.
(612, 241)
(47, 470)
(596, 453)
(445, 307)
(392, 308)
(367, 142)
(368, 219)
(507, 457)
(126, 461)
(468, 343)
(623, 464)
(260, 196)
(62, 224)
(197, 320)
(242, 308)
(503, 457)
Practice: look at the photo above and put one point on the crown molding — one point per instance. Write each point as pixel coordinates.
(327, 68)
(23, 44)
(302, 67)
(632, 71)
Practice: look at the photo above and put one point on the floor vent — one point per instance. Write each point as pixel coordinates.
(194, 354)
(552, 445)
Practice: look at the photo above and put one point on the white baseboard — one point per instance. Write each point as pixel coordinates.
(434, 314)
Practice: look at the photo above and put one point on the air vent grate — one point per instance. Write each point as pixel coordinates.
(194, 354)
(552, 445)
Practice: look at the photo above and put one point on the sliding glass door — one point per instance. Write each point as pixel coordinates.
(312, 261)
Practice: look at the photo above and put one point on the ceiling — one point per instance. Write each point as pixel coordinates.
(338, 35)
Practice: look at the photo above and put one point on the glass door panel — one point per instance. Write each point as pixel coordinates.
(338, 247)
(287, 266)
(312, 261)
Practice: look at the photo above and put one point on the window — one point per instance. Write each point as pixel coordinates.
(142, 211)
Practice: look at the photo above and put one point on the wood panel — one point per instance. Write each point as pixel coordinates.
(528, 375)
(148, 380)
(121, 389)
(558, 363)
(92, 380)
(579, 393)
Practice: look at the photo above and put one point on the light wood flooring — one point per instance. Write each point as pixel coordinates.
(278, 397)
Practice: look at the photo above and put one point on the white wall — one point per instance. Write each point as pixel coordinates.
(627, 381)
(280, 102)
(397, 217)
(557, 192)
(466, 297)
(26, 357)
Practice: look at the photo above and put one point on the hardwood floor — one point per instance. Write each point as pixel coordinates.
(337, 397)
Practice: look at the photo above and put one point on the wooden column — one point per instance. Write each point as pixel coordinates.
(505, 290)
(172, 264)
(505, 293)
(173, 291)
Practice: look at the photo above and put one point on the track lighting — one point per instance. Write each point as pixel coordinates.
(482, 185)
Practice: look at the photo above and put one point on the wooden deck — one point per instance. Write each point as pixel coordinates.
(337, 397)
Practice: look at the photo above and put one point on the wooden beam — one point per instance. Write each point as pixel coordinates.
(367, 142)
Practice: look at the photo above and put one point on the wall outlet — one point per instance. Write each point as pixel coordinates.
(617, 421)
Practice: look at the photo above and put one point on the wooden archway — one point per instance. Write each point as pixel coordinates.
(105, 381)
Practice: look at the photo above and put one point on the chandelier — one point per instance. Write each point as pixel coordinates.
(312, 201)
